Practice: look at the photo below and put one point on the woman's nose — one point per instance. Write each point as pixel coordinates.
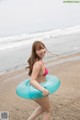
(43, 50)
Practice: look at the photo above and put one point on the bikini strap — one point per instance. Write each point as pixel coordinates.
(42, 61)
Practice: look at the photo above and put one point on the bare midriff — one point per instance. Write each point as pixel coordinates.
(41, 79)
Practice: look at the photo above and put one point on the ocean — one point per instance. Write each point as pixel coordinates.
(15, 50)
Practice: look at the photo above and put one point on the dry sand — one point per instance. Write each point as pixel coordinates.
(65, 101)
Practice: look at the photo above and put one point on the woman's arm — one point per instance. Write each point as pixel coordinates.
(35, 72)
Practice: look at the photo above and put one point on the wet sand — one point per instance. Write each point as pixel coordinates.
(65, 101)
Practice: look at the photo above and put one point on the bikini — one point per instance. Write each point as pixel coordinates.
(46, 71)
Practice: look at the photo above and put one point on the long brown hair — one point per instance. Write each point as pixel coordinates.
(37, 45)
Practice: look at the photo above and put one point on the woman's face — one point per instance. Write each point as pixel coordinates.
(41, 52)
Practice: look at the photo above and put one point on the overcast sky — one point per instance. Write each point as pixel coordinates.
(26, 16)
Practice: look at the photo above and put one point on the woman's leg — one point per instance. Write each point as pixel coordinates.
(44, 107)
(45, 104)
(36, 113)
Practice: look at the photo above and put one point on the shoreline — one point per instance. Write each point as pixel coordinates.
(54, 59)
(65, 101)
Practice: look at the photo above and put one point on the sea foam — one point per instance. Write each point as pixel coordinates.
(26, 39)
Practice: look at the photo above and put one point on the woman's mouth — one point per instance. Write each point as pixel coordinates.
(42, 54)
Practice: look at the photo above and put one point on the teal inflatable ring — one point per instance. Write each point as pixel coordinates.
(27, 91)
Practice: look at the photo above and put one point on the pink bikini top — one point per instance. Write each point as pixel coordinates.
(46, 71)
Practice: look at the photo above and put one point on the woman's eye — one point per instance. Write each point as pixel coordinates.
(42, 48)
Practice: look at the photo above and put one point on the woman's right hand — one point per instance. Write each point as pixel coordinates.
(45, 92)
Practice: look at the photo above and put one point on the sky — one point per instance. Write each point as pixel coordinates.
(28, 16)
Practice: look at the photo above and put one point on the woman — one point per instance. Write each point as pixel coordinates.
(38, 72)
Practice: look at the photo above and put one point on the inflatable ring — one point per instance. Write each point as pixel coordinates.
(27, 91)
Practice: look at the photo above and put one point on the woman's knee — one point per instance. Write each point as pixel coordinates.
(45, 104)
(47, 109)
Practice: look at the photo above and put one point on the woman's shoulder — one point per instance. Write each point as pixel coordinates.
(38, 64)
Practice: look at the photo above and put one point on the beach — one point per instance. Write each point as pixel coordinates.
(65, 102)
(57, 25)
